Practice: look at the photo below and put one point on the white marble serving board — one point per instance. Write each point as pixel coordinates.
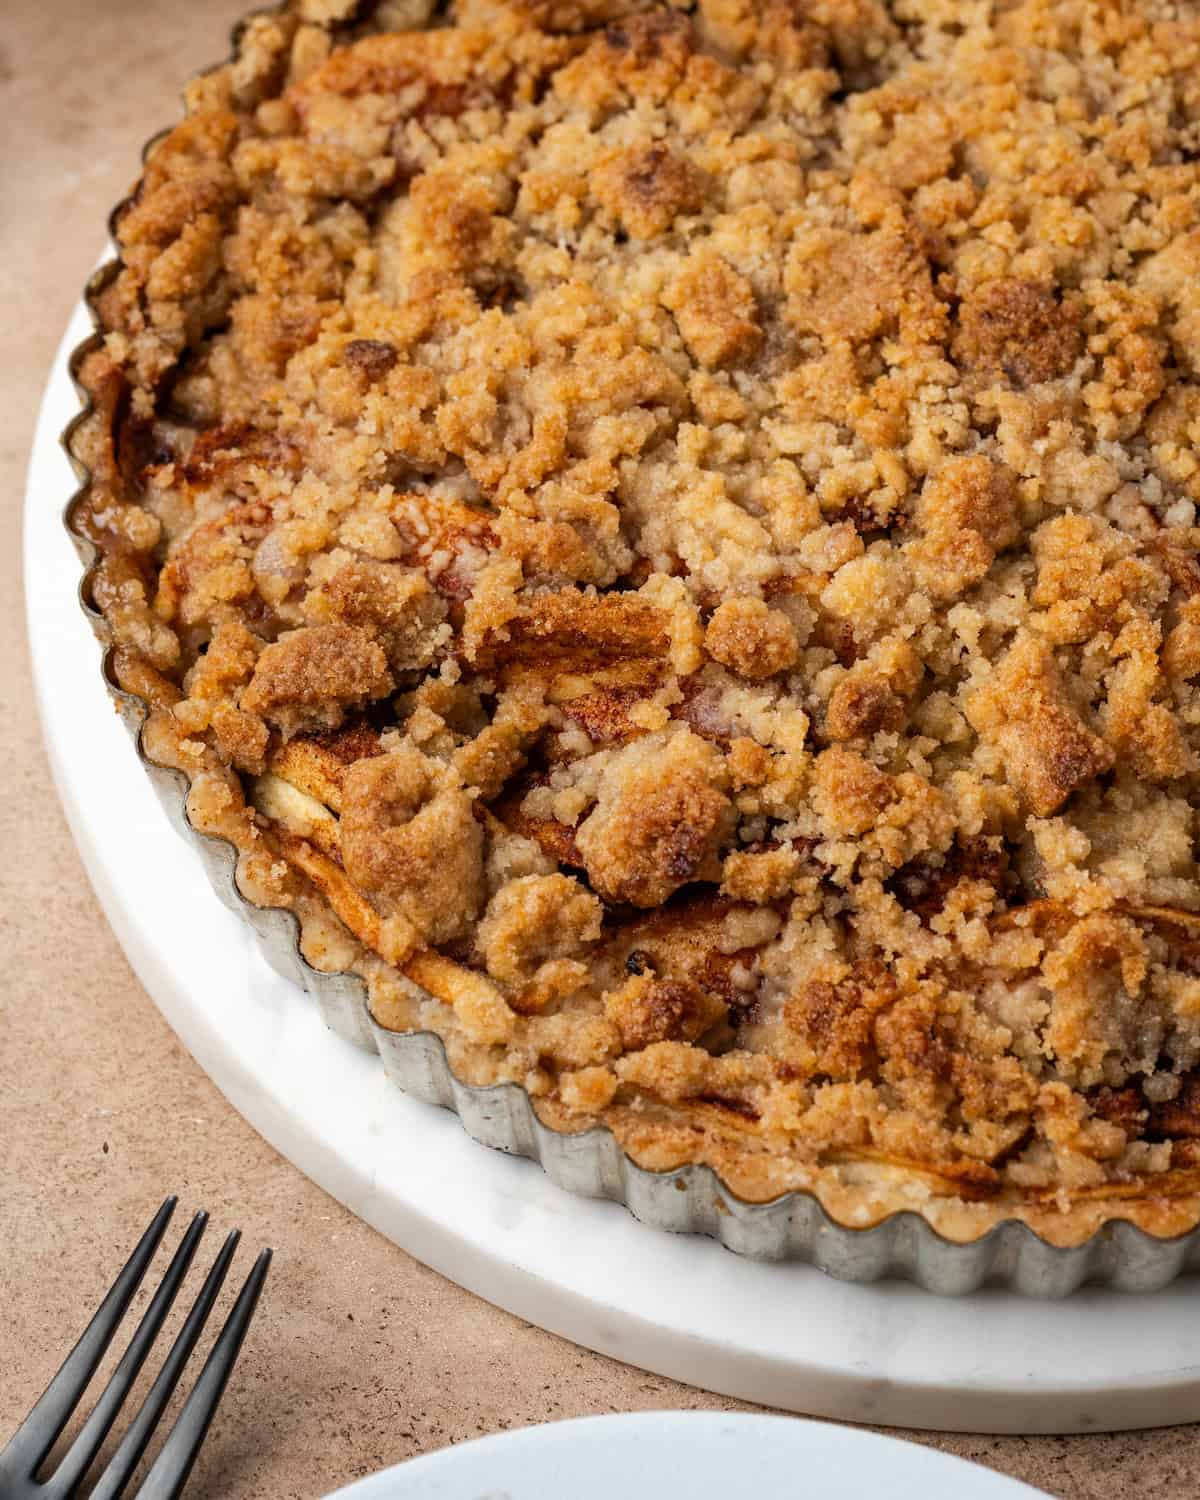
(679, 1305)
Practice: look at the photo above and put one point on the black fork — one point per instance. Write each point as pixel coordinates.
(33, 1440)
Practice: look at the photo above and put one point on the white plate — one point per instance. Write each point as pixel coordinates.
(783, 1335)
(703, 1455)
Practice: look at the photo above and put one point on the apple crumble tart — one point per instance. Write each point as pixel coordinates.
(667, 535)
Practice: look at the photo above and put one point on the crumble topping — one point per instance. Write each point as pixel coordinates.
(672, 529)
(409, 840)
(309, 678)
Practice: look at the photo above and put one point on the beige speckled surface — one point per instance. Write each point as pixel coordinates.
(360, 1356)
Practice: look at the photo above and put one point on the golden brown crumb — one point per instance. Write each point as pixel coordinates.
(310, 677)
(648, 1010)
(659, 818)
(751, 639)
(861, 705)
(391, 602)
(535, 919)
(588, 1091)
(410, 839)
(852, 793)
(715, 309)
(1048, 751)
(647, 186)
(749, 763)
(837, 1020)
(1019, 330)
(759, 877)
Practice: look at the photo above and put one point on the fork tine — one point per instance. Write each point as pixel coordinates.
(133, 1444)
(85, 1447)
(35, 1437)
(169, 1471)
